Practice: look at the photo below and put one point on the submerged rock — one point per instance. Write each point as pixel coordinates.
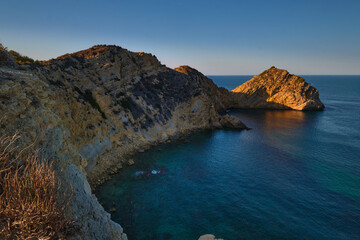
(276, 89)
(167, 235)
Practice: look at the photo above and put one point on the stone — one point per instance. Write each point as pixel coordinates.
(131, 162)
(232, 122)
(209, 237)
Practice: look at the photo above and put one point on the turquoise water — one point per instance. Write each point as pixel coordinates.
(295, 175)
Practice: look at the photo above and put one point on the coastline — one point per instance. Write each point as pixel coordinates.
(105, 174)
(92, 110)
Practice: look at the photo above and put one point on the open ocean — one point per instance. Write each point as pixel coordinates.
(295, 175)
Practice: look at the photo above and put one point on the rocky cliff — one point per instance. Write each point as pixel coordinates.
(276, 89)
(90, 111)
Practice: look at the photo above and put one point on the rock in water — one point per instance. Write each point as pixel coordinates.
(208, 237)
(277, 89)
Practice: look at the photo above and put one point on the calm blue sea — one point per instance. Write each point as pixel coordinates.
(295, 175)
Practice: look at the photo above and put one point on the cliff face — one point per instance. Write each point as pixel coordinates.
(276, 89)
(111, 98)
(90, 111)
(29, 106)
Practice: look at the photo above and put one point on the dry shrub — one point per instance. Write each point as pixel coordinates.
(29, 196)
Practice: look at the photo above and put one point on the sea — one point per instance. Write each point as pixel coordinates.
(294, 175)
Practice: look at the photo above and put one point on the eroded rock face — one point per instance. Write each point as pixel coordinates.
(90, 111)
(276, 89)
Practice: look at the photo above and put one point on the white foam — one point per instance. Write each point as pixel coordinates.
(138, 173)
(155, 171)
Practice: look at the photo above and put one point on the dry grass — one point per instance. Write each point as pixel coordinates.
(29, 195)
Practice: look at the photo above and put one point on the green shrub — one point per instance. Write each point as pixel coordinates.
(21, 60)
(89, 97)
(300, 80)
(125, 103)
(3, 55)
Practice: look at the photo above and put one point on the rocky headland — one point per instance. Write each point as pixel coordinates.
(90, 111)
(277, 89)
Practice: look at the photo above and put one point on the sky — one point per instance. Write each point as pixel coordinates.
(219, 37)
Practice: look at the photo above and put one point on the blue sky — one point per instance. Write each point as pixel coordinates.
(216, 37)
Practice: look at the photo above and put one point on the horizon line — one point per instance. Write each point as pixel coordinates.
(292, 74)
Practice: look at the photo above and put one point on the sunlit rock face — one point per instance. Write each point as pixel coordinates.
(276, 89)
(89, 111)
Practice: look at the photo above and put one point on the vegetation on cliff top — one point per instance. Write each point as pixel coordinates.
(19, 59)
(3, 54)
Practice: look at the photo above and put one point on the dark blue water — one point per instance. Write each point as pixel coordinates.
(295, 175)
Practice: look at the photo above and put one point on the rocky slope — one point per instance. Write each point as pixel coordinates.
(90, 111)
(276, 89)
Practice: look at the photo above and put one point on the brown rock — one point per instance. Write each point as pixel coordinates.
(276, 89)
(209, 237)
(232, 122)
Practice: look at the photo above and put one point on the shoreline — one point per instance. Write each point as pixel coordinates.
(100, 178)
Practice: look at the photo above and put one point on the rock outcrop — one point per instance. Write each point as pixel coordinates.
(276, 89)
(90, 111)
(209, 237)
